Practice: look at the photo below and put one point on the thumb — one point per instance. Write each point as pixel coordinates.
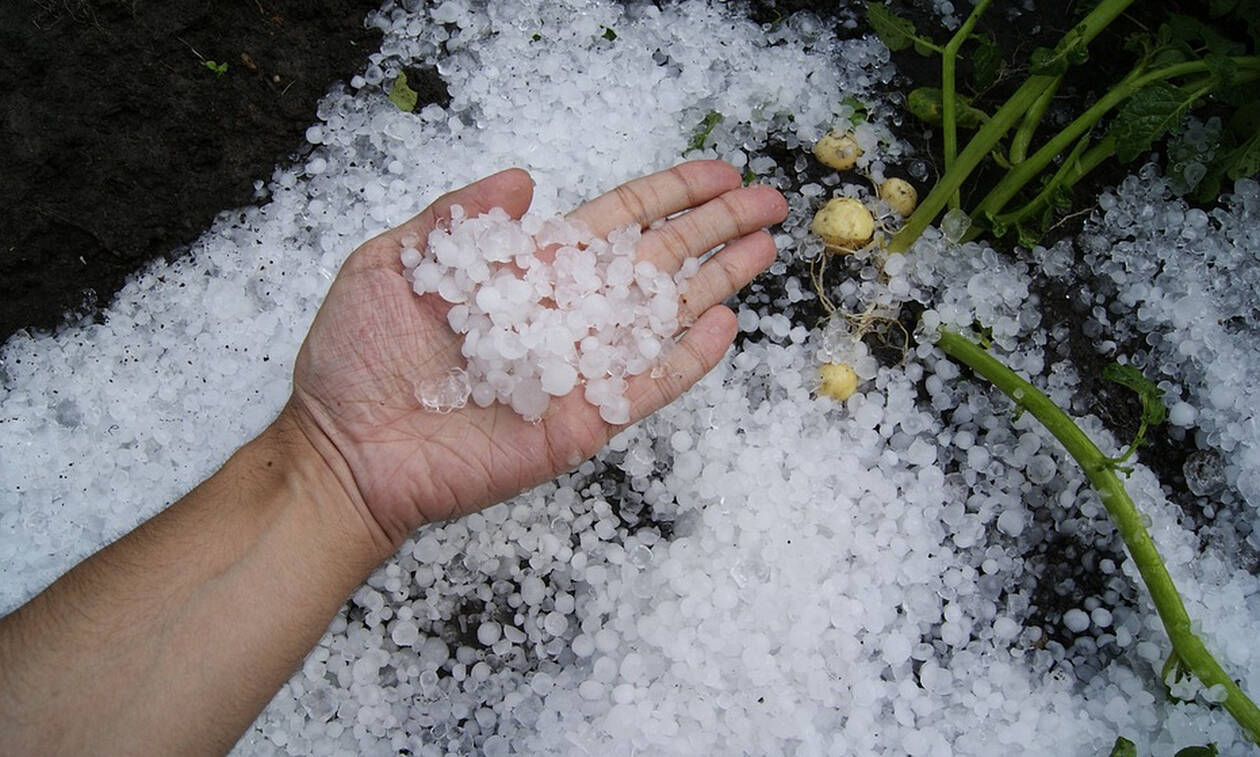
(512, 190)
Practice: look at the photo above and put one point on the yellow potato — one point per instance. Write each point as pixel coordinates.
(838, 150)
(839, 381)
(900, 196)
(844, 224)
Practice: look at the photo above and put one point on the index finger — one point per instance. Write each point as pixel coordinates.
(658, 195)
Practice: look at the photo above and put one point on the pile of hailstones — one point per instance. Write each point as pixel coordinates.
(544, 306)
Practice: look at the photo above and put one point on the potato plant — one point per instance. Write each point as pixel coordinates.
(1183, 65)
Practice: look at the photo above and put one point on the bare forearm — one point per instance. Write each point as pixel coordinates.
(172, 639)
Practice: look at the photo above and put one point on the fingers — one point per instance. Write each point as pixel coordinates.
(728, 216)
(661, 194)
(696, 353)
(725, 273)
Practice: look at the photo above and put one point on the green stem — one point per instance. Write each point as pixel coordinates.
(1128, 521)
(949, 102)
(1032, 119)
(975, 151)
(927, 44)
(1027, 170)
(992, 132)
(1075, 168)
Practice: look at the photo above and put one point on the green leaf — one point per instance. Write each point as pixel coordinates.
(1147, 116)
(1071, 51)
(1061, 198)
(1170, 54)
(701, 134)
(1140, 43)
(1237, 156)
(1153, 410)
(894, 31)
(923, 47)
(1153, 413)
(404, 97)
(1044, 63)
(1218, 8)
(1194, 32)
(1223, 69)
(996, 225)
(1243, 160)
(1248, 11)
(1225, 81)
(926, 104)
(219, 69)
(1177, 670)
(1209, 188)
(984, 335)
(1123, 748)
(985, 62)
(609, 34)
(1026, 237)
(1208, 750)
(1047, 217)
(1246, 120)
(858, 107)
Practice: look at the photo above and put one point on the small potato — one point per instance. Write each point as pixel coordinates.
(839, 381)
(900, 196)
(838, 150)
(844, 224)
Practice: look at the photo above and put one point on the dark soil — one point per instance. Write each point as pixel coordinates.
(122, 144)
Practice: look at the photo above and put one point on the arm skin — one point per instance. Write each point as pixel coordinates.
(173, 639)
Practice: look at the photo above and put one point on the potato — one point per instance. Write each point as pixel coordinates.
(839, 381)
(844, 224)
(900, 196)
(838, 150)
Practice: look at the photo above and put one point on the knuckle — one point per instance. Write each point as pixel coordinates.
(690, 189)
(731, 272)
(675, 241)
(735, 213)
(633, 202)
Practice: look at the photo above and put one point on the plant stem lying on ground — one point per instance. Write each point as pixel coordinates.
(1024, 172)
(1023, 101)
(1100, 470)
(1182, 66)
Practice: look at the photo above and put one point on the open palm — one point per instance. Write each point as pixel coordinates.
(373, 340)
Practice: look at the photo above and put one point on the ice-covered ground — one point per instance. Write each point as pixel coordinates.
(752, 571)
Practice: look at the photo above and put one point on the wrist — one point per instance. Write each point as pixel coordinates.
(319, 477)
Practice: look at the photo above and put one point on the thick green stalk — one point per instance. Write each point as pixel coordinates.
(1029, 169)
(1128, 521)
(988, 136)
(1032, 119)
(975, 151)
(1075, 168)
(949, 96)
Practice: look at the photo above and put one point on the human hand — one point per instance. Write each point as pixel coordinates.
(373, 340)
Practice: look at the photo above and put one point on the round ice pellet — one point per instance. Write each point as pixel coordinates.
(488, 633)
(1076, 620)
